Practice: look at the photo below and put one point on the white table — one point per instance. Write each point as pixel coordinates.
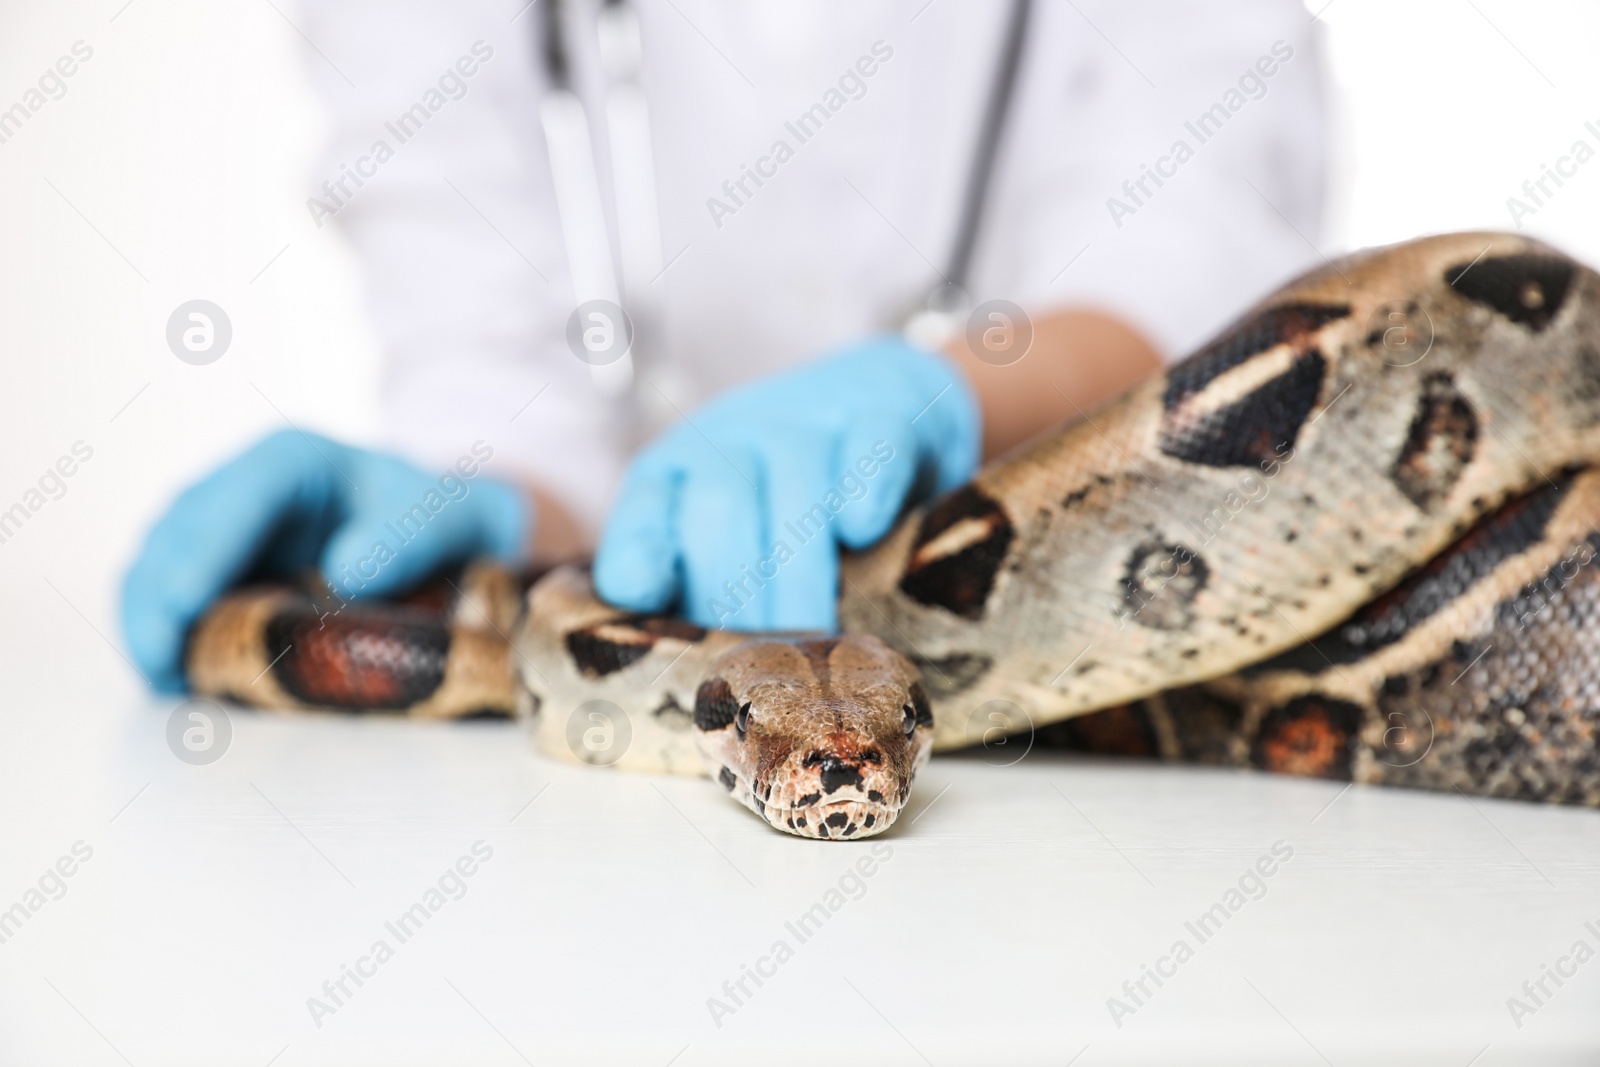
(1015, 902)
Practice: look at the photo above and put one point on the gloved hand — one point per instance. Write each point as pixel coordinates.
(739, 510)
(291, 502)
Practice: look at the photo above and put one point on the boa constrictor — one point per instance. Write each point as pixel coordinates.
(1351, 538)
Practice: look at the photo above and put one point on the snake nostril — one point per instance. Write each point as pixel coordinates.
(836, 772)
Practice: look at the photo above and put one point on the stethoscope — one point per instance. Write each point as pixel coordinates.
(602, 282)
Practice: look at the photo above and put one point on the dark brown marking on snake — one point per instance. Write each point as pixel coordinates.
(1527, 289)
(1285, 324)
(714, 705)
(672, 713)
(961, 543)
(727, 779)
(1204, 724)
(1399, 320)
(1160, 584)
(598, 652)
(1077, 496)
(808, 800)
(1124, 730)
(919, 703)
(1439, 444)
(1312, 736)
(1509, 531)
(956, 673)
(1253, 430)
(387, 659)
(607, 647)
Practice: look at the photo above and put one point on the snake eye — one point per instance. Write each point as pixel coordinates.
(908, 720)
(741, 720)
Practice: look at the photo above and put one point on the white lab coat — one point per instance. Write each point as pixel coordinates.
(462, 245)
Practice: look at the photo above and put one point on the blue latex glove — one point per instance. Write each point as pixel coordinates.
(291, 502)
(738, 512)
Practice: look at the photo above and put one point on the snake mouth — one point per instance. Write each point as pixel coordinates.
(835, 820)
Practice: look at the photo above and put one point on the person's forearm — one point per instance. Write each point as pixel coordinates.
(1078, 360)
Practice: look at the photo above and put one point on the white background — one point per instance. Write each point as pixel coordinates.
(175, 167)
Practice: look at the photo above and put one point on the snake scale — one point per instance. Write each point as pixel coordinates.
(1351, 538)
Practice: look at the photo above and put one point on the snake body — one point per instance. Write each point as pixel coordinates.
(1350, 538)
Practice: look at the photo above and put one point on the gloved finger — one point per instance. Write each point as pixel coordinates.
(375, 553)
(637, 563)
(718, 527)
(949, 429)
(405, 534)
(800, 564)
(209, 537)
(878, 452)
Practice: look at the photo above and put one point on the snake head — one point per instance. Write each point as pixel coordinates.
(821, 737)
